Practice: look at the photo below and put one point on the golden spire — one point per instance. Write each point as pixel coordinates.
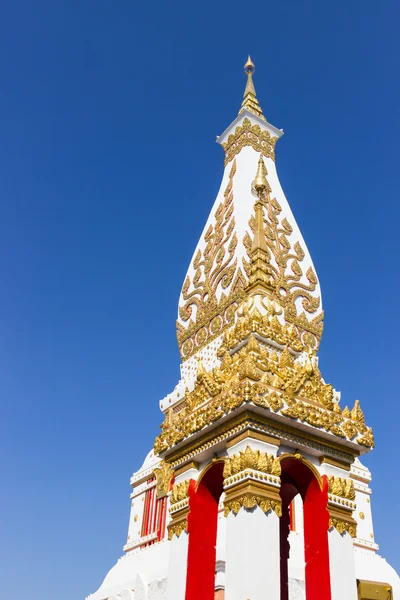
(250, 101)
(260, 270)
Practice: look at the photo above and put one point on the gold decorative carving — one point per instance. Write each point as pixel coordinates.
(287, 283)
(276, 382)
(361, 515)
(251, 494)
(178, 524)
(342, 520)
(180, 491)
(163, 475)
(249, 421)
(342, 525)
(215, 269)
(252, 459)
(248, 134)
(342, 487)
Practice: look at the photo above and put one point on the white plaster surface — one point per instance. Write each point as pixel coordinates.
(296, 589)
(158, 590)
(151, 563)
(140, 589)
(177, 567)
(252, 555)
(372, 567)
(342, 566)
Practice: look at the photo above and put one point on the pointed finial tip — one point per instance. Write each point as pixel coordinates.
(249, 67)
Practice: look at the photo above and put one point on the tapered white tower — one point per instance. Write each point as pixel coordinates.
(254, 488)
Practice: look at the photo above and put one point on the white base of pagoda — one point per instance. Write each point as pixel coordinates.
(142, 574)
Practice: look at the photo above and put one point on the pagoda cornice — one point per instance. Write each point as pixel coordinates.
(246, 114)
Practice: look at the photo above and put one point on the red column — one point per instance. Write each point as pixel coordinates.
(202, 529)
(316, 549)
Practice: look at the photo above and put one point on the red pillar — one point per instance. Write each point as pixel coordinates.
(316, 549)
(202, 530)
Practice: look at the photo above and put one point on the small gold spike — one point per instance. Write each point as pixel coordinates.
(260, 183)
(250, 101)
(260, 268)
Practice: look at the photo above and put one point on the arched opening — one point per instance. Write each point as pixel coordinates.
(299, 478)
(202, 529)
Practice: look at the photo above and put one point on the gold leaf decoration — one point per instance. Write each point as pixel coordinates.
(215, 268)
(252, 459)
(247, 134)
(250, 373)
(289, 287)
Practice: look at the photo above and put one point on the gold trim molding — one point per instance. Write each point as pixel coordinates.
(335, 463)
(191, 465)
(252, 421)
(253, 435)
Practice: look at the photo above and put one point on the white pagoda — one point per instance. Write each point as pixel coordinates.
(254, 489)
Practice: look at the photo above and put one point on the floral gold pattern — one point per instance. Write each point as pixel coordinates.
(342, 525)
(287, 283)
(253, 374)
(342, 487)
(163, 475)
(180, 491)
(215, 269)
(248, 134)
(252, 459)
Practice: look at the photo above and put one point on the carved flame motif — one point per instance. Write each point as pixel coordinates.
(215, 269)
(289, 281)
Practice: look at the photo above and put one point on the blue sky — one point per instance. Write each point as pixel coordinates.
(108, 169)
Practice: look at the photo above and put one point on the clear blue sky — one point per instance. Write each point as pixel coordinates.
(108, 169)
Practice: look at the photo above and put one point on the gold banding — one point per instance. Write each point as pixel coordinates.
(253, 435)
